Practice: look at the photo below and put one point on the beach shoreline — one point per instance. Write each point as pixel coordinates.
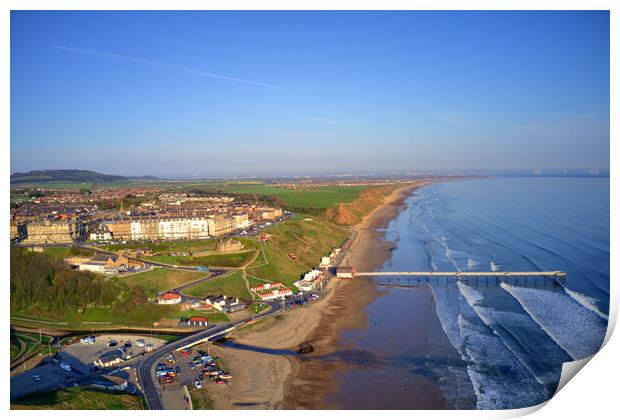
(304, 384)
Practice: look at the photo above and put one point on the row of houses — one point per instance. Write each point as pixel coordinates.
(221, 303)
(51, 231)
(169, 228)
(266, 286)
(63, 230)
(276, 293)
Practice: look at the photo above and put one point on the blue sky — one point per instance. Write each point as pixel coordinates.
(276, 93)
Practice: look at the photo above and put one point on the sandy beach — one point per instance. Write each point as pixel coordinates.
(288, 382)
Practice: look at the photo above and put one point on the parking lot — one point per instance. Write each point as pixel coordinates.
(81, 356)
(187, 371)
(50, 375)
(300, 299)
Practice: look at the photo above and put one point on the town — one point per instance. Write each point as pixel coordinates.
(205, 263)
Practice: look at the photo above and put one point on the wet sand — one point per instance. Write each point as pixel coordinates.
(304, 384)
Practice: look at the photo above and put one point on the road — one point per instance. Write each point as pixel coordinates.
(212, 276)
(145, 366)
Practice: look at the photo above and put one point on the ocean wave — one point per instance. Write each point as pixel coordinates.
(500, 380)
(575, 328)
(521, 336)
(497, 378)
(495, 266)
(587, 301)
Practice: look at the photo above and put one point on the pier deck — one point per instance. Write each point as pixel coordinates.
(463, 273)
(408, 278)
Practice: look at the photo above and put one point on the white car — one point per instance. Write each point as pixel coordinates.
(140, 342)
(65, 366)
(88, 340)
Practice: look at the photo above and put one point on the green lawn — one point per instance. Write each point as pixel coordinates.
(65, 251)
(78, 398)
(160, 279)
(236, 259)
(311, 197)
(280, 267)
(172, 246)
(212, 316)
(309, 240)
(258, 307)
(231, 285)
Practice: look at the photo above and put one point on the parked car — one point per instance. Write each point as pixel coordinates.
(65, 366)
(36, 378)
(88, 340)
(112, 343)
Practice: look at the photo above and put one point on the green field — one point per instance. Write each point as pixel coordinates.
(172, 246)
(230, 285)
(236, 259)
(78, 398)
(160, 279)
(303, 197)
(65, 251)
(212, 316)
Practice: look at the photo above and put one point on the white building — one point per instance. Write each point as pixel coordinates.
(325, 262)
(169, 299)
(184, 228)
(101, 234)
(345, 272)
(309, 281)
(242, 221)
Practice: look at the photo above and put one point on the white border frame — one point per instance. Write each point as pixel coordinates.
(592, 394)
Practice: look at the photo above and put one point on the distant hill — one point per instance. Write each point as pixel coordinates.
(69, 175)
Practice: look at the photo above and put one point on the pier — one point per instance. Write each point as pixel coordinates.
(413, 277)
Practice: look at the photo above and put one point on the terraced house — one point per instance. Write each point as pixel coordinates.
(157, 228)
(53, 231)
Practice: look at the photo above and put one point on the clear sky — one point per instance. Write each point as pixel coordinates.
(274, 93)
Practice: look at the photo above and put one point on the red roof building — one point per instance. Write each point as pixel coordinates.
(197, 321)
(169, 299)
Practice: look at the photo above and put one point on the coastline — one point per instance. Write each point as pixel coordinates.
(303, 384)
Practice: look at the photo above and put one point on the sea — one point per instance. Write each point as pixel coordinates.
(485, 343)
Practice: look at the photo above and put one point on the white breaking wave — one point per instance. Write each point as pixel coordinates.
(471, 263)
(575, 328)
(502, 323)
(488, 360)
(587, 301)
(495, 267)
